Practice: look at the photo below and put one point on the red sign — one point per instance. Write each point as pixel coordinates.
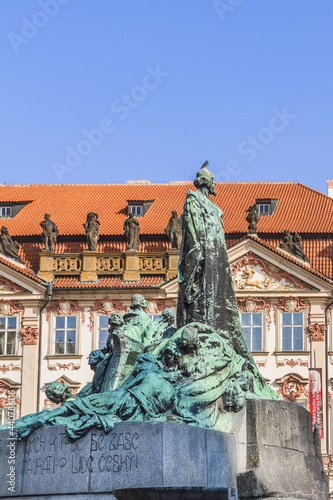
(316, 398)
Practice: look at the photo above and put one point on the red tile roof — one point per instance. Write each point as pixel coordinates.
(286, 256)
(299, 209)
(147, 281)
(23, 270)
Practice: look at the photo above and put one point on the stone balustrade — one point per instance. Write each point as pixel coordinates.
(90, 266)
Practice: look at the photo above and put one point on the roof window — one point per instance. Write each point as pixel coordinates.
(9, 210)
(139, 208)
(266, 206)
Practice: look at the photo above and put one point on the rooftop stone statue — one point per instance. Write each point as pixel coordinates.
(174, 230)
(49, 234)
(92, 227)
(9, 247)
(132, 232)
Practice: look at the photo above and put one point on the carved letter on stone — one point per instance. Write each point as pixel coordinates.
(317, 332)
(29, 335)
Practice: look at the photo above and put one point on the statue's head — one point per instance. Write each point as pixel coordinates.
(170, 354)
(189, 339)
(168, 316)
(205, 179)
(58, 392)
(47, 216)
(4, 230)
(116, 319)
(130, 215)
(95, 357)
(174, 213)
(297, 238)
(138, 301)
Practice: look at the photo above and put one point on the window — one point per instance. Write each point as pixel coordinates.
(65, 335)
(292, 331)
(136, 210)
(264, 209)
(3, 416)
(102, 331)
(266, 206)
(252, 328)
(5, 212)
(8, 328)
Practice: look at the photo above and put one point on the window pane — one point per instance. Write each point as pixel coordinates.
(256, 345)
(11, 338)
(287, 332)
(286, 318)
(59, 348)
(286, 345)
(70, 344)
(2, 323)
(298, 319)
(71, 321)
(103, 335)
(2, 343)
(256, 333)
(298, 344)
(298, 332)
(246, 319)
(257, 319)
(103, 321)
(60, 336)
(12, 323)
(60, 322)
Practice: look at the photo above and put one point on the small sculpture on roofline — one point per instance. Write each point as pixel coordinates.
(132, 232)
(174, 230)
(92, 227)
(293, 245)
(49, 234)
(9, 247)
(253, 219)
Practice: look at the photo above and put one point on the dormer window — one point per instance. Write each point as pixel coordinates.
(5, 212)
(9, 210)
(139, 208)
(266, 207)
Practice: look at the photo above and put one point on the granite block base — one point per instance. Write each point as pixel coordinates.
(270, 453)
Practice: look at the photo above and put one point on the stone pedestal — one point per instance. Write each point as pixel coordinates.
(173, 259)
(131, 272)
(270, 454)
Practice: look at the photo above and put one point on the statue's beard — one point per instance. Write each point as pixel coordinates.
(212, 191)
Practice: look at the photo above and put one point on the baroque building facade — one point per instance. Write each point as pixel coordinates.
(56, 296)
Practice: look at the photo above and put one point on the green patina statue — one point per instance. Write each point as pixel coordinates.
(200, 373)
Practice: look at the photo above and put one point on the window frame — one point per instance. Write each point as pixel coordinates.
(52, 348)
(263, 329)
(17, 318)
(98, 316)
(280, 331)
(135, 207)
(7, 208)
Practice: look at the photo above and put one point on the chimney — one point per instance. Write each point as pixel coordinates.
(330, 188)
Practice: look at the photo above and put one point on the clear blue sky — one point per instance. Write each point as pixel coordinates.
(245, 84)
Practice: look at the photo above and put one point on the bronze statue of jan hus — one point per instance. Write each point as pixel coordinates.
(293, 245)
(174, 230)
(132, 231)
(9, 247)
(49, 234)
(253, 219)
(92, 227)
